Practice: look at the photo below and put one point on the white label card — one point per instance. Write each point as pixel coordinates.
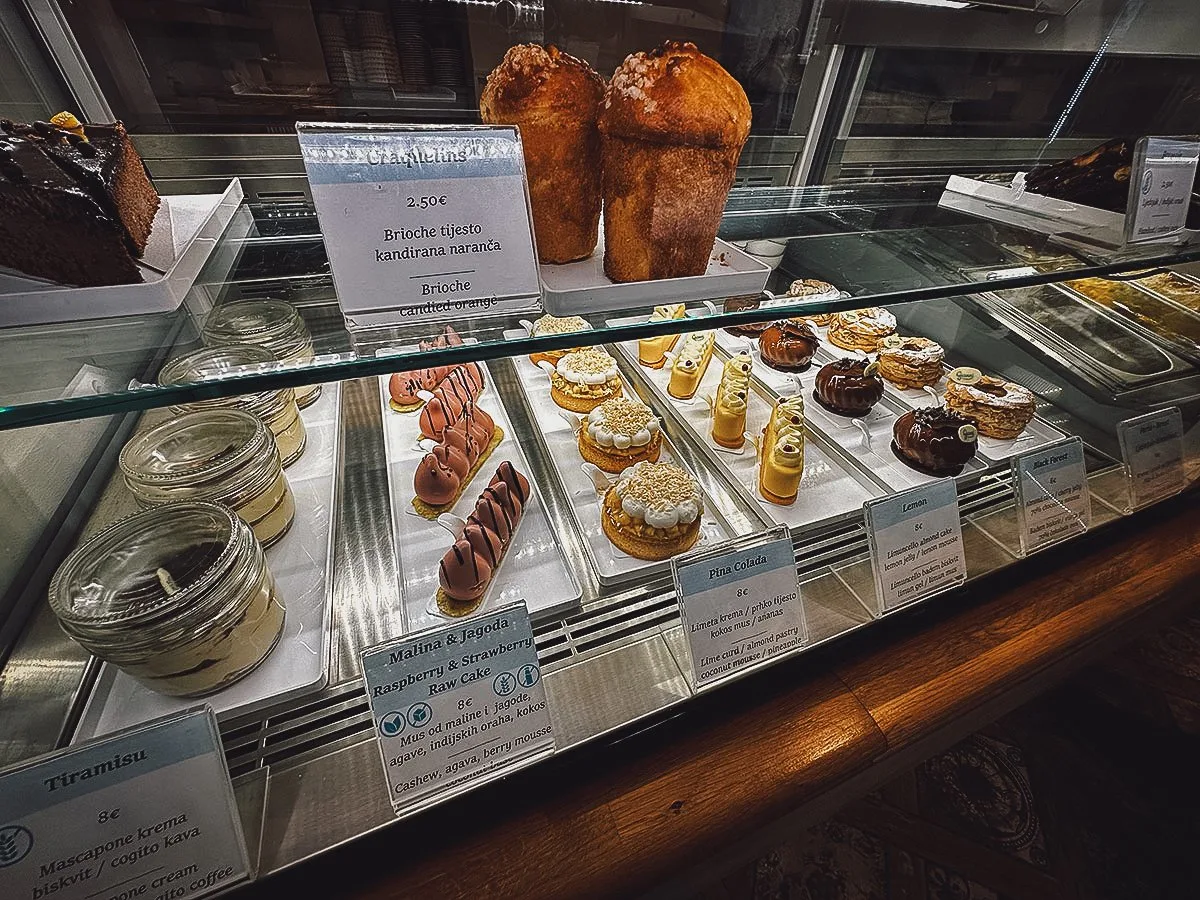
(456, 702)
(145, 813)
(1160, 188)
(1152, 447)
(1053, 502)
(423, 223)
(740, 605)
(916, 543)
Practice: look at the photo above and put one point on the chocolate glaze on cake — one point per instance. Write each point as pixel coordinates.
(73, 211)
(848, 387)
(934, 440)
(788, 345)
(747, 329)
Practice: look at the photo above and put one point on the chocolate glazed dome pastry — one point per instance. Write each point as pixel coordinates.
(672, 126)
(848, 387)
(788, 345)
(934, 440)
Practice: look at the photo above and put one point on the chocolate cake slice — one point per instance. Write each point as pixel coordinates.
(76, 206)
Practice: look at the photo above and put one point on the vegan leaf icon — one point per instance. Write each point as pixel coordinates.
(8, 846)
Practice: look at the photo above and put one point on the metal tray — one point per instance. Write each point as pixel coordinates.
(829, 492)
(582, 287)
(557, 437)
(534, 569)
(302, 563)
(864, 443)
(185, 232)
(1037, 433)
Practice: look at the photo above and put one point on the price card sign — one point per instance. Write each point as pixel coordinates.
(916, 543)
(455, 703)
(1053, 502)
(423, 223)
(1152, 447)
(1160, 188)
(145, 813)
(740, 604)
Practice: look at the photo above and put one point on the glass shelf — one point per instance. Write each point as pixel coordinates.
(881, 244)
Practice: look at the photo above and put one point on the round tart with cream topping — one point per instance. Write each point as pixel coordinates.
(861, 329)
(548, 325)
(653, 511)
(1001, 408)
(911, 362)
(619, 433)
(813, 289)
(583, 379)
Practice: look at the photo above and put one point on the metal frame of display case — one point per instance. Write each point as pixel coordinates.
(307, 774)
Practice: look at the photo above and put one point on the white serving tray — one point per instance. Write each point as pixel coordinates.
(302, 563)
(612, 566)
(579, 288)
(534, 569)
(827, 490)
(994, 450)
(1075, 224)
(185, 231)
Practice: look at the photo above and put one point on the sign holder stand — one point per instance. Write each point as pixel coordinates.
(1040, 477)
(1152, 452)
(721, 595)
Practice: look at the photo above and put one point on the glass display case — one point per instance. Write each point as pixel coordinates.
(883, 310)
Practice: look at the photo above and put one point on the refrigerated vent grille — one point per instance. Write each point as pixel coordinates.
(340, 716)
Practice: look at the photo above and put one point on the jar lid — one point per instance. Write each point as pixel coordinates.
(204, 445)
(216, 363)
(144, 567)
(267, 322)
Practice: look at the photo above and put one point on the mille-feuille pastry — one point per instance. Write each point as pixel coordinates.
(672, 127)
(789, 345)
(619, 433)
(861, 329)
(583, 379)
(731, 402)
(554, 99)
(1001, 409)
(470, 565)
(934, 440)
(547, 325)
(813, 289)
(781, 463)
(652, 351)
(689, 365)
(653, 511)
(911, 362)
(848, 387)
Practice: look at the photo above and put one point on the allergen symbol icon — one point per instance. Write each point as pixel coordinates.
(419, 715)
(504, 684)
(15, 843)
(528, 675)
(391, 724)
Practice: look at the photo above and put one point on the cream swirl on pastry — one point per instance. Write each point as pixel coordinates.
(590, 366)
(660, 494)
(622, 423)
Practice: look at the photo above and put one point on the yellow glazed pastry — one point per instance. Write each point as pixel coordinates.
(782, 464)
(690, 363)
(652, 351)
(583, 379)
(729, 406)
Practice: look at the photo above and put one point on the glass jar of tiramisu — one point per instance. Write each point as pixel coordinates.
(277, 408)
(268, 323)
(223, 455)
(177, 596)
